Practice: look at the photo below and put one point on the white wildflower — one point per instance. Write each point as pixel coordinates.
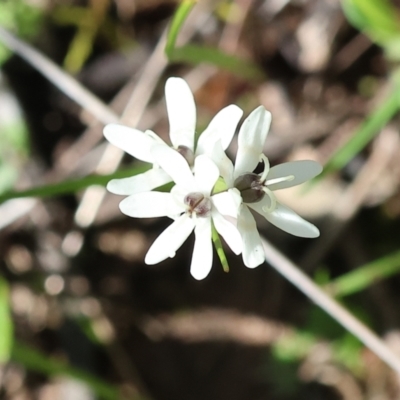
(192, 207)
(182, 120)
(255, 191)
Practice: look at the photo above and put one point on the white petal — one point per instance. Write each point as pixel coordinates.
(251, 140)
(206, 174)
(174, 164)
(227, 203)
(170, 240)
(179, 193)
(150, 204)
(132, 141)
(203, 252)
(253, 251)
(222, 127)
(181, 112)
(228, 231)
(302, 171)
(265, 202)
(223, 163)
(144, 182)
(286, 219)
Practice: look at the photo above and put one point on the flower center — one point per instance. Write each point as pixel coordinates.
(253, 187)
(198, 205)
(250, 187)
(187, 154)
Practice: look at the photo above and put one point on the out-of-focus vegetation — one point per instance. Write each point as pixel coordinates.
(76, 299)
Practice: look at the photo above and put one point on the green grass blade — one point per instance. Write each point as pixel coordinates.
(365, 276)
(220, 251)
(379, 19)
(200, 54)
(34, 360)
(364, 134)
(179, 18)
(6, 325)
(71, 186)
(376, 15)
(194, 54)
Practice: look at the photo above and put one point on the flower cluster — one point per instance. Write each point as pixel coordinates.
(199, 170)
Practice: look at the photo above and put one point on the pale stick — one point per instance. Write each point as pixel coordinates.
(293, 274)
(66, 83)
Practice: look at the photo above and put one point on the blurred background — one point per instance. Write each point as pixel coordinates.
(82, 317)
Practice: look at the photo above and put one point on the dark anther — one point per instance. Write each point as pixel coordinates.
(186, 153)
(198, 204)
(250, 187)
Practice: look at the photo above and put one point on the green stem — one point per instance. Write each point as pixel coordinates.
(365, 133)
(365, 276)
(220, 251)
(71, 186)
(179, 18)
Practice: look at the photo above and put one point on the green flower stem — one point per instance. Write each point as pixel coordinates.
(220, 186)
(220, 251)
(6, 325)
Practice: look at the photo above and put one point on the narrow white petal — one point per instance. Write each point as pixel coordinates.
(251, 140)
(253, 251)
(265, 202)
(222, 127)
(150, 204)
(223, 163)
(132, 141)
(228, 231)
(227, 203)
(181, 112)
(145, 182)
(202, 257)
(170, 240)
(302, 171)
(179, 193)
(286, 219)
(174, 164)
(206, 174)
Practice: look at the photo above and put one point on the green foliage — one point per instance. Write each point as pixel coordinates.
(294, 347)
(36, 361)
(347, 351)
(365, 276)
(13, 151)
(20, 16)
(176, 25)
(323, 325)
(72, 186)
(283, 376)
(364, 134)
(6, 325)
(88, 22)
(196, 54)
(378, 19)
